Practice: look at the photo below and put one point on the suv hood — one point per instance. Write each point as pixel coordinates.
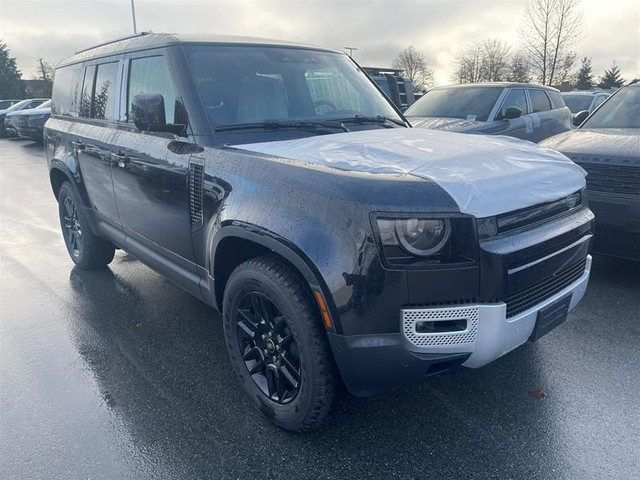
(443, 123)
(485, 175)
(588, 144)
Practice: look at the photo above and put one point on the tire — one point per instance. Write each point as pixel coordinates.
(87, 250)
(292, 324)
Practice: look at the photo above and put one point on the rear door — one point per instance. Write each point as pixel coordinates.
(151, 172)
(91, 135)
(539, 121)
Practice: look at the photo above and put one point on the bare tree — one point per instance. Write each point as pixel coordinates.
(483, 62)
(415, 67)
(469, 64)
(550, 29)
(44, 70)
(519, 70)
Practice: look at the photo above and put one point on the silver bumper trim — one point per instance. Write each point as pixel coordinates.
(490, 334)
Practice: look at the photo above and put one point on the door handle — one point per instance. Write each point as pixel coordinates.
(121, 159)
(78, 145)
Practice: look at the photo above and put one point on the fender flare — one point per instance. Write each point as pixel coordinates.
(282, 247)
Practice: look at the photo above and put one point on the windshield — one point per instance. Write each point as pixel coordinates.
(18, 105)
(621, 110)
(470, 103)
(46, 104)
(577, 103)
(251, 84)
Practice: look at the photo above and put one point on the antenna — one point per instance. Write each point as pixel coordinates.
(351, 49)
(133, 16)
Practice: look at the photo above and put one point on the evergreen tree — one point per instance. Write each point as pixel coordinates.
(584, 80)
(611, 77)
(11, 85)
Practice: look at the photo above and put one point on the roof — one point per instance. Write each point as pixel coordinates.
(149, 40)
(498, 84)
(585, 92)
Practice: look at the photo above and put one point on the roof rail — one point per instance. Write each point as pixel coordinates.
(634, 81)
(127, 37)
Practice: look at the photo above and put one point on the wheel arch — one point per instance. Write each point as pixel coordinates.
(237, 243)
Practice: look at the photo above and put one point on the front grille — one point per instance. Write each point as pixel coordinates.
(523, 300)
(612, 178)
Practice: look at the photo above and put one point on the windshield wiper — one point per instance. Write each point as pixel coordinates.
(377, 119)
(280, 125)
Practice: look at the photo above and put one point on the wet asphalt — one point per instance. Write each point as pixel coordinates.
(119, 374)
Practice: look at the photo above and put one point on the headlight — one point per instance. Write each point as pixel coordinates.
(423, 237)
(417, 241)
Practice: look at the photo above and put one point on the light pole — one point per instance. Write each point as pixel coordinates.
(133, 15)
(351, 49)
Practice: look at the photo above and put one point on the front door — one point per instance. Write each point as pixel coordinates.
(150, 176)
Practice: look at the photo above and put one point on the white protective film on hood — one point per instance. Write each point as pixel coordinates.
(485, 175)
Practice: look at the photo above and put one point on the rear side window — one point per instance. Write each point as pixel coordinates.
(104, 92)
(599, 100)
(556, 99)
(515, 98)
(66, 91)
(151, 75)
(87, 92)
(539, 101)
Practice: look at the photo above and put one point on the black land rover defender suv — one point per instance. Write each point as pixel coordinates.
(607, 146)
(277, 183)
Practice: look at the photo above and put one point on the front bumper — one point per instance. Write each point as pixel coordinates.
(33, 133)
(371, 363)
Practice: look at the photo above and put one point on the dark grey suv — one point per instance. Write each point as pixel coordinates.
(277, 183)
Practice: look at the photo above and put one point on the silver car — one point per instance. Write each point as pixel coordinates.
(528, 111)
(580, 100)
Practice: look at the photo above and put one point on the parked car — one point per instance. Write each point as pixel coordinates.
(607, 146)
(9, 117)
(581, 100)
(4, 104)
(521, 110)
(30, 122)
(339, 244)
(394, 84)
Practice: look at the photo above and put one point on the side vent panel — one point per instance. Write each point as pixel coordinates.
(196, 178)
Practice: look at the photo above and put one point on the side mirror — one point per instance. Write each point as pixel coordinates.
(512, 112)
(580, 117)
(148, 115)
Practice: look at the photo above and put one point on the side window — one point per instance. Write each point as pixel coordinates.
(515, 98)
(104, 94)
(556, 99)
(66, 91)
(598, 101)
(87, 92)
(539, 101)
(151, 75)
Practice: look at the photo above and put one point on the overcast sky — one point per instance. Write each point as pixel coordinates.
(54, 29)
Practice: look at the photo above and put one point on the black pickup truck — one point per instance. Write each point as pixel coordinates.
(277, 183)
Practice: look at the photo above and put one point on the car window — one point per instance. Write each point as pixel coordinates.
(539, 101)
(66, 90)
(87, 92)
(599, 100)
(622, 110)
(322, 83)
(577, 103)
(151, 75)
(515, 98)
(243, 85)
(104, 96)
(556, 99)
(471, 103)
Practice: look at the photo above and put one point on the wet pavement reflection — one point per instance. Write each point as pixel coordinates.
(121, 374)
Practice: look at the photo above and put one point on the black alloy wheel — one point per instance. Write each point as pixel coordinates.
(269, 351)
(72, 229)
